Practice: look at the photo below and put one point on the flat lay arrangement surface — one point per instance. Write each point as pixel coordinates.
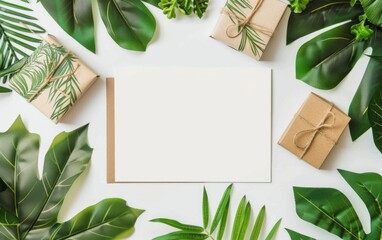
(339, 193)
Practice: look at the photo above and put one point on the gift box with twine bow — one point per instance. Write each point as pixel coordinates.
(52, 79)
(248, 25)
(315, 130)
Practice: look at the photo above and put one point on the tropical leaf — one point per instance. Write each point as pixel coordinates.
(239, 229)
(320, 14)
(185, 7)
(373, 11)
(4, 90)
(128, 22)
(297, 236)
(371, 81)
(75, 17)
(324, 61)
(16, 39)
(34, 203)
(331, 210)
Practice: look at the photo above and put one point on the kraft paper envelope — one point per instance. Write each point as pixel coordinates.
(189, 125)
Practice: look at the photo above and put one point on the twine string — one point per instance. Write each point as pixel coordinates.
(328, 121)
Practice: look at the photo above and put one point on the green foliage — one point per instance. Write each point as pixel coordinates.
(5, 90)
(30, 205)
(129, 22)
(331, 210)
(373, 11)
(16, 40)
(360, 30)
(249, 34)
(297, 236)
(185, 7)
(298, 6)
(240, 229)
(324, 61)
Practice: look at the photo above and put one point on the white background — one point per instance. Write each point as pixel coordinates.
(186, 42)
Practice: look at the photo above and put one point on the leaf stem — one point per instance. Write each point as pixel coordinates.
(209, 234)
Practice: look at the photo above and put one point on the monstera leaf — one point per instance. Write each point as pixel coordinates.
(331, 210)
(16, 40)
(324, 61)
(29, 206)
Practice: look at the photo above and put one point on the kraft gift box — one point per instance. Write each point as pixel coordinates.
(249, 27)
(314, 130)
(52, 79)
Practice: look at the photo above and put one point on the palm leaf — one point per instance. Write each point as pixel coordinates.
(16, 40)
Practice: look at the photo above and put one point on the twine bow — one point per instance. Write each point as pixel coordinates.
(235, 30)
(329, 116)
(50, 78)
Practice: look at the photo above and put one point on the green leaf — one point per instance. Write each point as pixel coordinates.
(5, 90)
(128, 22)
(224, 203)
(361, 31)
(245, 222)
(320, 14)
(329, 209)
(15, 67)
(205, 208)
(182, 235)
(258, 224)
(375, 117)
(36, 202)
(16, 39)
(75, 17)
(178, 225)
(239, 218)
(373, 11)
(223, 223)
(200, 7)
(273, 231)
(324, 61)
(297, 236)
(368, 186)
(105, 220)
(298, 6)
(371, 81)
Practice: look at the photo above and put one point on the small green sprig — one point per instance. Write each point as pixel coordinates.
(298, 6)
(215, 228)
(185, 7)
(360, 30)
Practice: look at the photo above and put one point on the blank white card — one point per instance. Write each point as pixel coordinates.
(192, 125)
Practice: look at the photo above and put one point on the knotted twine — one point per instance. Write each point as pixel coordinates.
(314, 131)
(241, 23)
(50, 77)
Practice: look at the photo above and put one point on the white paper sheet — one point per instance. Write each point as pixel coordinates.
(192, 125)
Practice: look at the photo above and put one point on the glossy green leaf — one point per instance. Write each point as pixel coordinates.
(329, 209)
(239, 218)
(273, 231)
(205, 208)
(223, 224)
(182, 235)
(128, 22)
(371, 81)
(258, 224)
(224, 203)
(377, 58)
(35, 201)
(297, 236)
(320, 14)
(324, 61)
(178, 225)
(245, 222)
(5, 90)
(105, 220)
(75, 17)
(368, 187)
(373, 11)
(16, 39)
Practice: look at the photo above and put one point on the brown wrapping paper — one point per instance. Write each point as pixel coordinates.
(249, 29)
(52, 79)
(314, 130)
